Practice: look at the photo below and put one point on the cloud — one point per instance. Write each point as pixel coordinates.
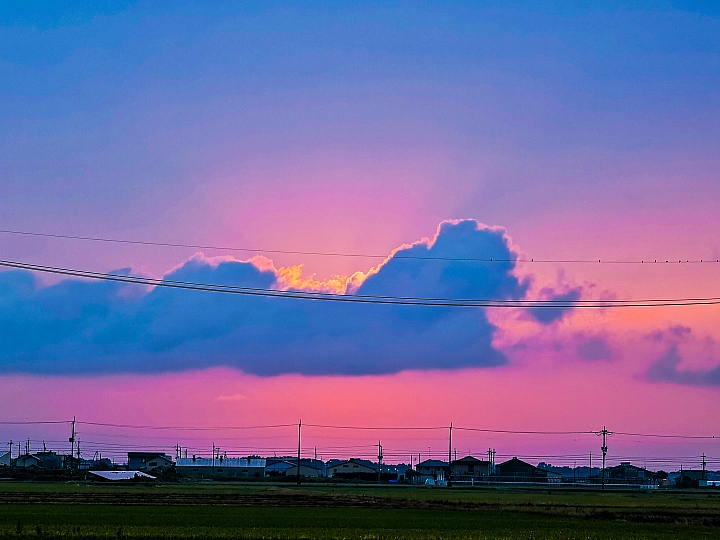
(594, 349)
(548, 315)
(665, 369)
(232, 397)
(96, 327)
(672, 334)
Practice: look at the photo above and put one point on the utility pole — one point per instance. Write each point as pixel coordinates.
(380, 456)
(71, 440)
(449, 478)
(213, 460)
(703, 466)
(590, 473)
(298, 457)
(10, 444)
(604, 449)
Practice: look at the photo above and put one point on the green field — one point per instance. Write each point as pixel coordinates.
(234, 511)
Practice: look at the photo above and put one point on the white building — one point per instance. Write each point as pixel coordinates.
(221, 466)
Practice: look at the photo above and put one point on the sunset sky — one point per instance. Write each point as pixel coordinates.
(392, 132)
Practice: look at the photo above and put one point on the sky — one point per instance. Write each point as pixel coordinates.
(394, 132)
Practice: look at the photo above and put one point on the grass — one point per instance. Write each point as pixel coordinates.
(369, 513)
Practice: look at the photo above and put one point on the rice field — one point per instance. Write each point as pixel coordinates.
(270, 512)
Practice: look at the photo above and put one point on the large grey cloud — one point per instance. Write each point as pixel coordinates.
(98, 327)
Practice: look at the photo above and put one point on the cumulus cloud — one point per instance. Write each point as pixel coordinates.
(96, 327)
(666, 369)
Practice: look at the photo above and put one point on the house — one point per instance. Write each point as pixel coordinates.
(693, 474)
(469, 468)
(27, 460)
(279, 467)
(691, 478)
(288, 467)
(222, 466)
(352, 468)
(50, 460)
(625, 472)
(517, 470)
(144, 461)
(5, 459)
(430, 471)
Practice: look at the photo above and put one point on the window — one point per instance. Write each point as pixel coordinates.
(152, 464)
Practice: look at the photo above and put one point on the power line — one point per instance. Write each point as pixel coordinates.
(665, 436)
(342, 254)
(370, 428)
(183, 428)
(524, 432)
(363, 299)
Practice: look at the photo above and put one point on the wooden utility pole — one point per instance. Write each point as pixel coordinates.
(298, 456)
(449, 481)
(72, 438)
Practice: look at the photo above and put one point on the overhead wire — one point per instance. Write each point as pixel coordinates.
(396, 255)
(362, 299)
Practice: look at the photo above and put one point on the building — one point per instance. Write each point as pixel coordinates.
(309, 468)
(694, 474)
(5, 459)
(279, 467)
(145, 461)
(50, 460)
(625, 472)
(222, 467)
(352, 468)
(120, 476)
(517, 470)
(430, 471)
(470, 468)
(27, 460)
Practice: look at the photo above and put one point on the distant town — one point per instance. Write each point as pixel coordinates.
(466, 471)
